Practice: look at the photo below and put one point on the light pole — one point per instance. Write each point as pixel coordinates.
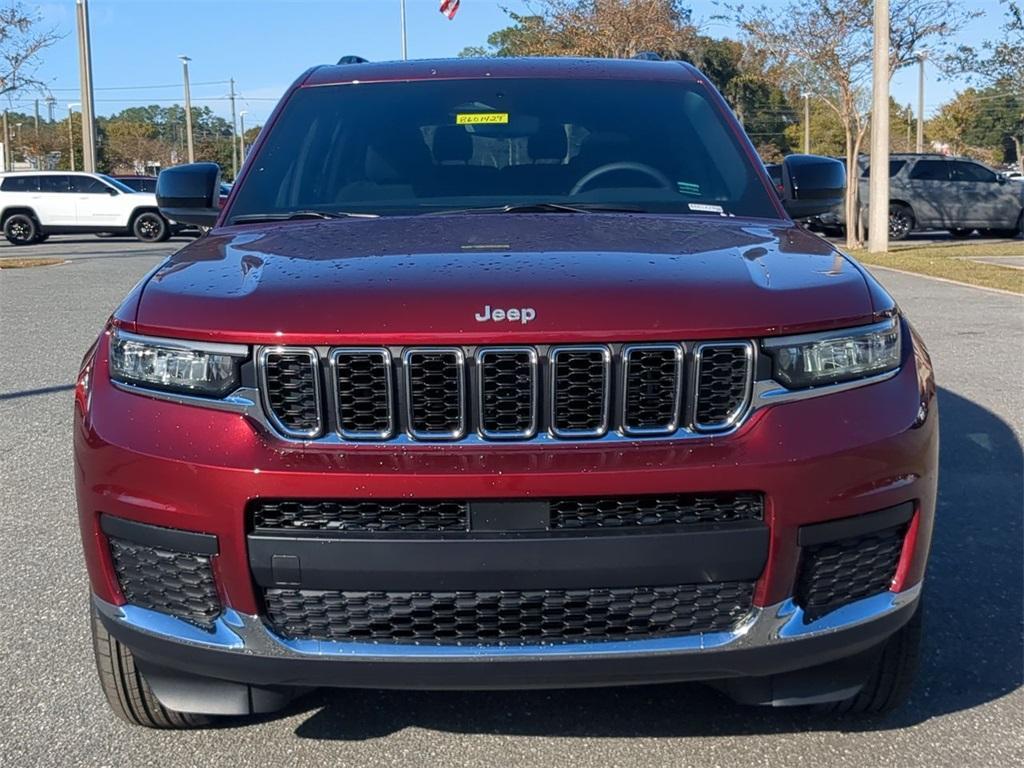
(85, 76)
(807, 122)
(241, 134)
(405, 49)
(71, 133)
(921, 56)
(234, 127)
(878, 182)
(188, 108)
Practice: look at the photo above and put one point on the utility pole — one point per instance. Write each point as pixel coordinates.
(910, 123)
(37, 120)
(807, 122)
(85, 76)
(241, 136)
(71, 134)
(405, 48)
(7, 144)
(878, 183)
(188, 109)
(234, 129)
(50, 101)
(921, 56)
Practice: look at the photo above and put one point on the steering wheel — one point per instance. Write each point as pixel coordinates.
(601, 170)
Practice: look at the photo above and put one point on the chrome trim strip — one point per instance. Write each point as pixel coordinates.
(738, 413)
(672, 426)
(261, 370)
(525, 434)
(769, 392)
(606, 364)
(460, 360)
(234, 350)
(389, 393)
(235, 632)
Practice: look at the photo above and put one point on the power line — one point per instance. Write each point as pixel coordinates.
(142, 87)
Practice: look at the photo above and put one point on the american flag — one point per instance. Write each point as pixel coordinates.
(449, 8)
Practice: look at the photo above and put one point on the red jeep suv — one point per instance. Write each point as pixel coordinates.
(502, 374)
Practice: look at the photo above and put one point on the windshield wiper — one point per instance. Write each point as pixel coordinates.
(545, 208)
(295, 215)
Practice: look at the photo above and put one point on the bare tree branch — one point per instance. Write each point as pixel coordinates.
(21, 42)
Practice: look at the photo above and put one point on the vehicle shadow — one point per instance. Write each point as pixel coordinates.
(972, 650)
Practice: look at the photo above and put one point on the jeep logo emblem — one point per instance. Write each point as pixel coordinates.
(511, 315)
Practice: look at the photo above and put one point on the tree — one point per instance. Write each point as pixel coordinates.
(739, 74)
(1001, 63)
(599, 28)
(825, 47)
(21, 42)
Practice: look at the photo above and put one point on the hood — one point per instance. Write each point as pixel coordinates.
(439, 279)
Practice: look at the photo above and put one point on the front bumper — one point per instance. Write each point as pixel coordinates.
(775, 640)
(819, 460)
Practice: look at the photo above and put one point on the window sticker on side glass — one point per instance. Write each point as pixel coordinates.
(481, 118)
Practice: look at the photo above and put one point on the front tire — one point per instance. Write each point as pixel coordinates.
(891, 681)
(21, 229)
(127, 691)
(150, 227)
(901, 221)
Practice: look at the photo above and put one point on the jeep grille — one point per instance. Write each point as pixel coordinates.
(568, 392)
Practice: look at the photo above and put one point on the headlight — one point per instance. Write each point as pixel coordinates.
(834, 356)
(195, 368)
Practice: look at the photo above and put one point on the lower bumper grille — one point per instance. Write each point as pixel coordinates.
(339, 516)
(176, 583)
(508, 617)
(840, 572)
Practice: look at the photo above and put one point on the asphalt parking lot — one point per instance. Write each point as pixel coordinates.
(967, 709)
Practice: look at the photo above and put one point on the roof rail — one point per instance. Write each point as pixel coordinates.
(353, 60)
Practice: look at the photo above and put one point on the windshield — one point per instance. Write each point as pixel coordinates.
(421, 147)
(120, 186)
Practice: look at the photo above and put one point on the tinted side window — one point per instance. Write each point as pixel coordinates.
(53, 184)
(20, 184)
(88, 185)
(895, 166)
(931, 170)
(970, 172)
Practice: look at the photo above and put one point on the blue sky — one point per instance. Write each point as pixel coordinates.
(265, 44)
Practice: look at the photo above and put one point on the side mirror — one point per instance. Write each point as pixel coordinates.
(112, 192)
(189, 193)
(811, 185)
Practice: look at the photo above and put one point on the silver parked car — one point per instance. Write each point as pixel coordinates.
(938, 192)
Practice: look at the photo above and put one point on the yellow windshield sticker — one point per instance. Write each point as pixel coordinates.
(481, 118)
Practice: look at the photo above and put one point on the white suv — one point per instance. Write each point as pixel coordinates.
(35, 205)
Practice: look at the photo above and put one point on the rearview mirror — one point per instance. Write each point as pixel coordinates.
(811, 185)
(189, 193)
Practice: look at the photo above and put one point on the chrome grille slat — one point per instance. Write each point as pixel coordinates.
(435, 391)
(652, 385)
(580, 390)
(723, 383)
(290, 383)
(507, 392)
(363, 393)
(545, 393)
